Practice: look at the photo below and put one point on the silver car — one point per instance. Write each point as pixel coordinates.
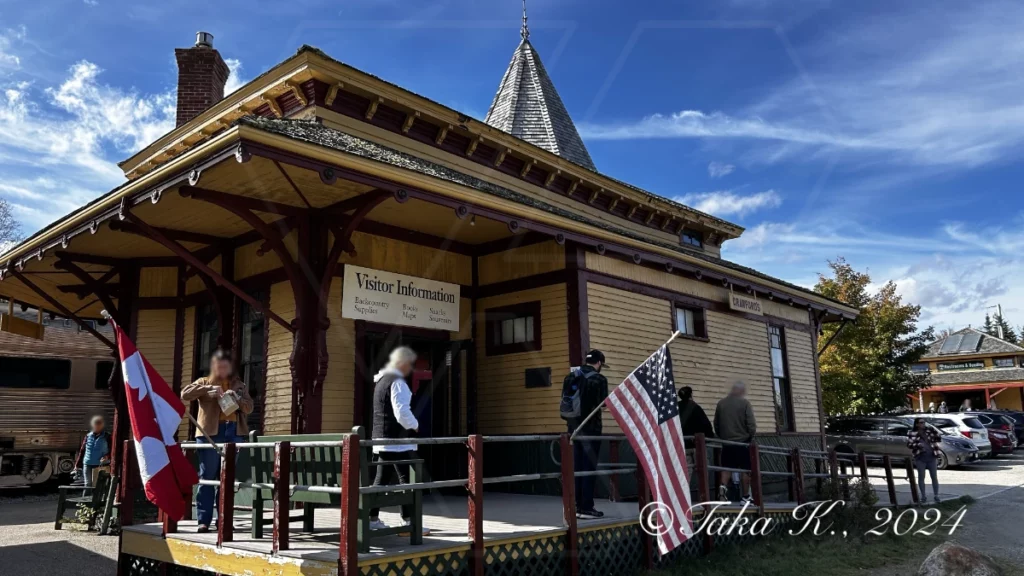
(888, 435)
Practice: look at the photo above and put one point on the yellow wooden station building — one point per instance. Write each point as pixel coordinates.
(319, 215)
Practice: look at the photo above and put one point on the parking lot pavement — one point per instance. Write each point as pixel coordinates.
(29, 546)
(979, 480)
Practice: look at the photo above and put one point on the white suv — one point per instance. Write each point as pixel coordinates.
(965, 424)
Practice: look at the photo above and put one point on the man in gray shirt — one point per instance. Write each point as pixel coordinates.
(734, 421)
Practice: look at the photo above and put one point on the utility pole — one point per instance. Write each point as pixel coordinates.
(999, 315)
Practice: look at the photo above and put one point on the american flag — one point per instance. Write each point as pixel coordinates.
(645, 407)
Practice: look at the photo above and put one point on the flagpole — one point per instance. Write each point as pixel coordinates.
(199, 427)
(601, 405)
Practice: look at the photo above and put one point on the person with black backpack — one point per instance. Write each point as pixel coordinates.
(583, 390)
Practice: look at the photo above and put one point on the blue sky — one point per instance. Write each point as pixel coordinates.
(885, 132)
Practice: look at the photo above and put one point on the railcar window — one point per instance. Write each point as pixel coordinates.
(35, 373)
(103, 370)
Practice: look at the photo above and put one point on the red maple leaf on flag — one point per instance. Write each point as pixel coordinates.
(156, 411)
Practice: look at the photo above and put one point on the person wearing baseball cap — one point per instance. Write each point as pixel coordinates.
(593, 388)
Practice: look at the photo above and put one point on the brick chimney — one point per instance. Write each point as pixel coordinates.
(202, 75)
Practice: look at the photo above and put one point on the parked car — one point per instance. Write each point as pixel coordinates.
(963, 423)
(995, 420)
(1003, 442)
(888, 435)
(1018, 424)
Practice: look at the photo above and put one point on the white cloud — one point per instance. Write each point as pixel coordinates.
(720, 169)
(727, 202)
(8, 60)
(881, 91)
(91, 2)
(235, 80)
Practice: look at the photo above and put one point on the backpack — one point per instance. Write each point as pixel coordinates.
(570, 407)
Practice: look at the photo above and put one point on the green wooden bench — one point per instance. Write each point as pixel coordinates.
(93, 498)
(322, 467)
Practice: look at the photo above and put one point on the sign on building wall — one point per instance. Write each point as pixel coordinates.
(391, 298)
(744, 304)
(972, 365)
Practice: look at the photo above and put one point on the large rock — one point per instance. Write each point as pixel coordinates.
(952, 559)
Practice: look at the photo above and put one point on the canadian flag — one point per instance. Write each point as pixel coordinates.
(155, 414)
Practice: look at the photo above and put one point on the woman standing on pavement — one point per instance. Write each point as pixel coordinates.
(923, 441)
(224, 403)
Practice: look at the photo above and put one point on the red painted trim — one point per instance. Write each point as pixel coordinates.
(755, 478)
(128, 476)
(700, 466)
(643, 492)
(476, 504)
(348, 545)
(946, 387)
(797, 467)
(569, 506)
(226, 494)
(282, 495)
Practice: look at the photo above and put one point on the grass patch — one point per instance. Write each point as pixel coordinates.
(780, 554)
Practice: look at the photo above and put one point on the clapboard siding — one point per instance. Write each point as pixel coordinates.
(521, 262)
(278, 416)
(412, 259)
(629, 327)
(504, 404)
(339, 385)
(155, 340)
(248, 263)
(683, 285)
(160, 281)
(800, 356)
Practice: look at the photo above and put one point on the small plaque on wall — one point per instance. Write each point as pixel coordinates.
(538, 377)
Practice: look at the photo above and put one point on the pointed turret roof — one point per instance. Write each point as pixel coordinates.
(528, 107)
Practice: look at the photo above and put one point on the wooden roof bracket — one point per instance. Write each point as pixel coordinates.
(90, 283)
(192, 260)
(343, 235)
(842, 325)
(62, 309)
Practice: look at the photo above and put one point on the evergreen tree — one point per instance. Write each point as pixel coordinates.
(989, 328)
(867, 368)
(1008, 334)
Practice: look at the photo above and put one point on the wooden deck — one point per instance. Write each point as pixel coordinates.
(507, 517)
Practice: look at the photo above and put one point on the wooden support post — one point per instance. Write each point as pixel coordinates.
(700, 467)
(887, 462)
(643, 499)
(282, 495)
(918, 498)
(569, 506)
(755, 478)
(817, 477)
(716, 477)
(862, 460)
(476, 504)
(226, 496)
(348, 551)
(613, 456)
(800, 493)
(128, 475)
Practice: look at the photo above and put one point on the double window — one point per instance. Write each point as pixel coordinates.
(780, 379)
(692, 238)
(512, 329)
(35, 373)
(920, 368)
(251, 363)
(207, 333)
(1003, 362)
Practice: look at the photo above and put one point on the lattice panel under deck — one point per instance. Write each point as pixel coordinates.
(447, 564)
(610, 551)
(539, 557)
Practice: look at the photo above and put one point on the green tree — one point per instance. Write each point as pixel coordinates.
(1008, 334)
(867, 367)
(988, 327)
(9, 227)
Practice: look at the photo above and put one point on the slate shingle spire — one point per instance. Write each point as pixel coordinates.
(528, 106)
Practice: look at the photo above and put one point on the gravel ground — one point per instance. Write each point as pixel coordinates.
(29, 546)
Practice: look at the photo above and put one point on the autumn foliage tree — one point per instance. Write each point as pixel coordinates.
(867, 368)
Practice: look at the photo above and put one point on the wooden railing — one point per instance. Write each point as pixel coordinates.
(704, 454)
